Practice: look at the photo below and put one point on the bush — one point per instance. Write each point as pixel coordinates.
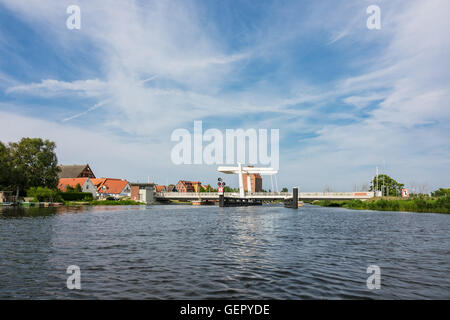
(43, 194)
(419, 204)
(76, 196)
(355, 204)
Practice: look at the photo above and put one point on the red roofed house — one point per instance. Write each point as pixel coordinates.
(185, 186)
(86, 185)
(196, 185)
(107, 187)
(171, 188)
(160, 188)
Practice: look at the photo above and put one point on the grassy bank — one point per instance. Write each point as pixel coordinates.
(436, 205)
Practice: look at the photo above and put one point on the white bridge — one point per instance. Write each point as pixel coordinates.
(265, 195)
(240, 171)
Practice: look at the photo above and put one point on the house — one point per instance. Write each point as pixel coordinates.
(160, 188)
(196, 185)
(171, 188)
(108, 187)
(76, 171)
(185, 186)
(86, 185)
(142, 192)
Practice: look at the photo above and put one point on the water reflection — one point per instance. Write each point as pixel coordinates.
(20, 211)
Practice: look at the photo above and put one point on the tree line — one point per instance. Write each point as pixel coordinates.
(29, 163)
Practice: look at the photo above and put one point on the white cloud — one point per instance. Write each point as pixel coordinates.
(50, 87)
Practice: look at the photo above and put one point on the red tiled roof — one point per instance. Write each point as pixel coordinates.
(108, 185)
(63, 183)
(160, 188)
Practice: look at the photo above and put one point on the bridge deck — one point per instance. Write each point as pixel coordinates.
(265, 195)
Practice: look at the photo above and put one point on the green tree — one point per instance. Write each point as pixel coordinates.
(284, 189)
(4, 167)
(387, 185)
(33, 163)
(441, 192)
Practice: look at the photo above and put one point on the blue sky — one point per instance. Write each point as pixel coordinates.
(345, 98)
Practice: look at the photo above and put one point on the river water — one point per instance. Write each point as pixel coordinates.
(187, 252)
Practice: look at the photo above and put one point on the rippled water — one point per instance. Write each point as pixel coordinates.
(186, 252)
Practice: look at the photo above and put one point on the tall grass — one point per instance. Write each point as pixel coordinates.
(437, 205)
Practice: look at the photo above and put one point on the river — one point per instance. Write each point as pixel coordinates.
(192, 252)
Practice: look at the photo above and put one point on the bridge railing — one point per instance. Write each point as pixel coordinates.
(270, 193)
(317, 195)
(193, 194)
(216, 194)
(338, 194)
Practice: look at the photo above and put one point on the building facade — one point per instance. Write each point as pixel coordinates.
(255, 182)
(142, 192)
(185, 186)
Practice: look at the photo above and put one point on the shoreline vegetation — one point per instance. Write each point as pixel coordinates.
(416, 204)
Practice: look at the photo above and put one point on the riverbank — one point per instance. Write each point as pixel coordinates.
(75, 203)
(430, 205)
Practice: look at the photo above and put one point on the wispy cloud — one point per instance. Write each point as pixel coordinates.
(51, 87)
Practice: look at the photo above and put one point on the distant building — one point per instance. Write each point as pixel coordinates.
(76, 171)
(108, 187)
(185, 186)
(142, 192)
(255, 182)
(196, 185)
(86, 185)
(7, 196)
(171, 188)
(160, 188)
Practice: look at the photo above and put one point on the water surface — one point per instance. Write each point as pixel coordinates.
(186, 252)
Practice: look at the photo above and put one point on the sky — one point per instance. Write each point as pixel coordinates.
(345, 98)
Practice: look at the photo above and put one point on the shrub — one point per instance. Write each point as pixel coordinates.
(76, 196)
(43, 194)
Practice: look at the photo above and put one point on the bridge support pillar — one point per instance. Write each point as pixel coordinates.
(292, 202)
